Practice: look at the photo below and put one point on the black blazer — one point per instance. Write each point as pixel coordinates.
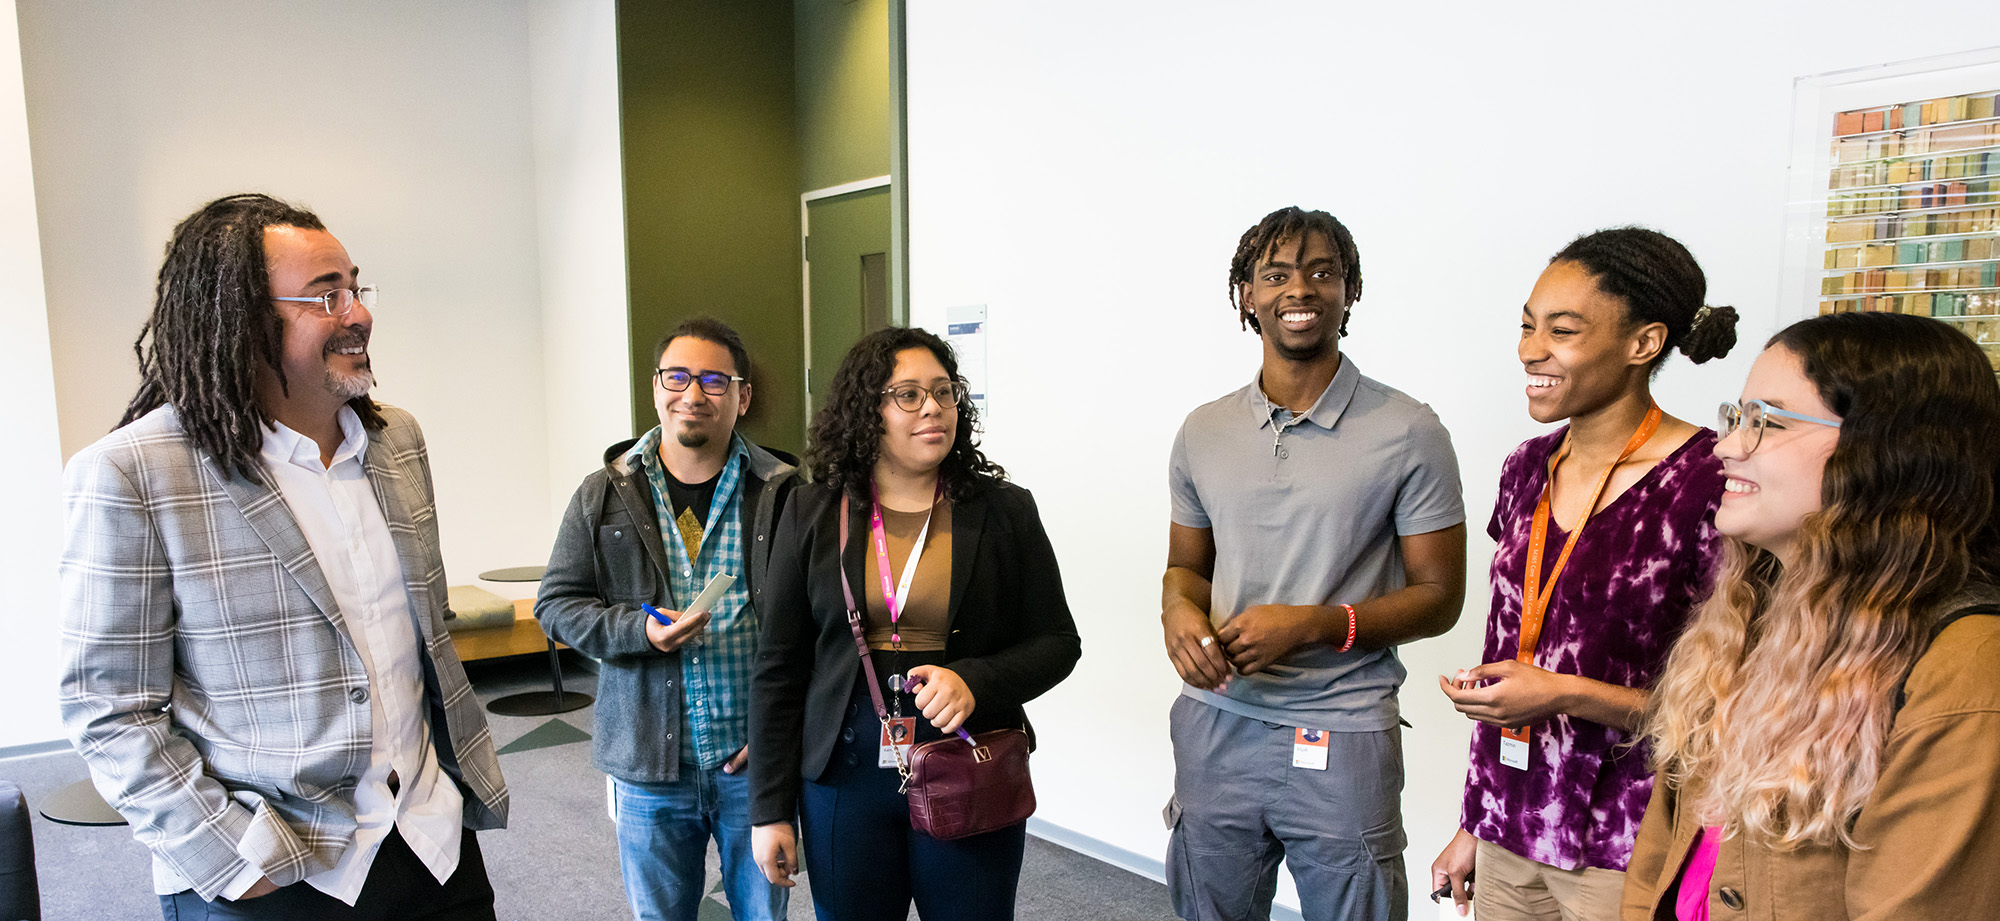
(1009, 631)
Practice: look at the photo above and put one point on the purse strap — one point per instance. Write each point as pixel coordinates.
(854, 620)
(861, 646)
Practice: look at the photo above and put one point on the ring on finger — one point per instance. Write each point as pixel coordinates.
(1207, 641)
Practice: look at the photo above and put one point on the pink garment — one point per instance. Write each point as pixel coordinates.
(1692, 902)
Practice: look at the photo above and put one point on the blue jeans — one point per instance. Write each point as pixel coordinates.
(663, 832)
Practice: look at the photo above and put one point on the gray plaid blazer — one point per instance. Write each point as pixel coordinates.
(208, 678)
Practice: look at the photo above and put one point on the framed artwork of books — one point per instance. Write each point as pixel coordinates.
(1895, 201)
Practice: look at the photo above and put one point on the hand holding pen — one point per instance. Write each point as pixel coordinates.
(942, 696)
(670, 630)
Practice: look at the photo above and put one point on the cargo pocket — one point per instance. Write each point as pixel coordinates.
(1180, 879)
(1386, 841)
(1354, 878)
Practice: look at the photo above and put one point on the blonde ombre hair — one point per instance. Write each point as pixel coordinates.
(1780, 696)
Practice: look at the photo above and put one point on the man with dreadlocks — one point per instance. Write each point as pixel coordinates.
(255, 662)
(1317, 522)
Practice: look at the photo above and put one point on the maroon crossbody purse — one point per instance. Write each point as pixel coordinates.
(955, 789)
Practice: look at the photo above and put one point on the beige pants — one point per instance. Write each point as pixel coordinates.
(1509, 887)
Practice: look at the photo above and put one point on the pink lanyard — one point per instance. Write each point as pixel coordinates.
(894, 596)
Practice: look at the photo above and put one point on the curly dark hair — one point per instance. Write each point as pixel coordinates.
(212, 324)
(847, 431)
(1659, 282)
(1289, 224)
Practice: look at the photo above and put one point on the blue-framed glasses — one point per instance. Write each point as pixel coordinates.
(340, 301)
(1753, 417)
(713, 383)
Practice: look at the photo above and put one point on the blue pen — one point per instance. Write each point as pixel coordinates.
(657, 615)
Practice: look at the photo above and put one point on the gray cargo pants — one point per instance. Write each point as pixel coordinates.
(1239, 807)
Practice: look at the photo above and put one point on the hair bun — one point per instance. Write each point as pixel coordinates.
(1712, 335)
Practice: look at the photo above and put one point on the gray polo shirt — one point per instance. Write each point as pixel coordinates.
(1307, 510)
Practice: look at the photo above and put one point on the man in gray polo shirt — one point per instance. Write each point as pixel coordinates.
(1317, 523)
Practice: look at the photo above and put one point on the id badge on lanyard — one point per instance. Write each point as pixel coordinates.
(898, 734)
(1534, 595)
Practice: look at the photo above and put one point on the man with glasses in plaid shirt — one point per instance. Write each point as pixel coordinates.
(687, 502)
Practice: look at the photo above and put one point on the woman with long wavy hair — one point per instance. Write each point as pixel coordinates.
(959, 592)
(1827, 732)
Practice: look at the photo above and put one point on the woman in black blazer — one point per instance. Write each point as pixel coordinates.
(959, 589)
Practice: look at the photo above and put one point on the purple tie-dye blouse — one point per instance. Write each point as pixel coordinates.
(1639, 569)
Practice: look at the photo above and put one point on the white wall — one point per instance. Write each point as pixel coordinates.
(407, 126)
(1085, 172)
(31, 466)
(579, 195)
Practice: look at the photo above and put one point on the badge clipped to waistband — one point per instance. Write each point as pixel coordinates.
(1309, 749)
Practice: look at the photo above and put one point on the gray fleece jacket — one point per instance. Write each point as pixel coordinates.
(608, 559)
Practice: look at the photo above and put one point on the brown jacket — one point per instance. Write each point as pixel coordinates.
(1930, 832)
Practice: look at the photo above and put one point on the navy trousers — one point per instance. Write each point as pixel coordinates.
(866, 863)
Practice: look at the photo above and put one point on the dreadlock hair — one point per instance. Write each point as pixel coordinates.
(1659, 282)
(212, 325)
(847, 431)
(1283, 225)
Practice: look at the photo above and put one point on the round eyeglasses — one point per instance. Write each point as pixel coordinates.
(713, 383)
(1754, 417)
(340, 301)
(910, 397)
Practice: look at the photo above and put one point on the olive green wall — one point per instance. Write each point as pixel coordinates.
(845, 117)
(706, 91)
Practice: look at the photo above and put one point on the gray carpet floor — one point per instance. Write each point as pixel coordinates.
(557, 859)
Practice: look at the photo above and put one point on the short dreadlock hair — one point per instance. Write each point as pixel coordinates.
(212, 324)
(1289, 224)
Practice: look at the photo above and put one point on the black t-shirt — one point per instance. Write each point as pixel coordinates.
(690, 506)
(696, 497)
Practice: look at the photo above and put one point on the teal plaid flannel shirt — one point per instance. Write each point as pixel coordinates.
(715, 670)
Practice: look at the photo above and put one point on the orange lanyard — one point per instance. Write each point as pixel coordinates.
(1534, 595)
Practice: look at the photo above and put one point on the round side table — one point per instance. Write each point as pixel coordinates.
(79, 804)
(535, 703)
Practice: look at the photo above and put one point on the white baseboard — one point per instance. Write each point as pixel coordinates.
(34, 748)
(1129, 861)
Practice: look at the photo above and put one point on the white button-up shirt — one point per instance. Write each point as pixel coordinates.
(342, 521)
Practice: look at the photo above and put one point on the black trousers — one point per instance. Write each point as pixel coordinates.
(399, 888)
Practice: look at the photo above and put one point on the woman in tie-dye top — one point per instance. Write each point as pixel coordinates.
(1550, 824)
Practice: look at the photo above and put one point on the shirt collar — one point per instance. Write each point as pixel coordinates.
(1325, 412)
(284, 446)
(646, 454)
